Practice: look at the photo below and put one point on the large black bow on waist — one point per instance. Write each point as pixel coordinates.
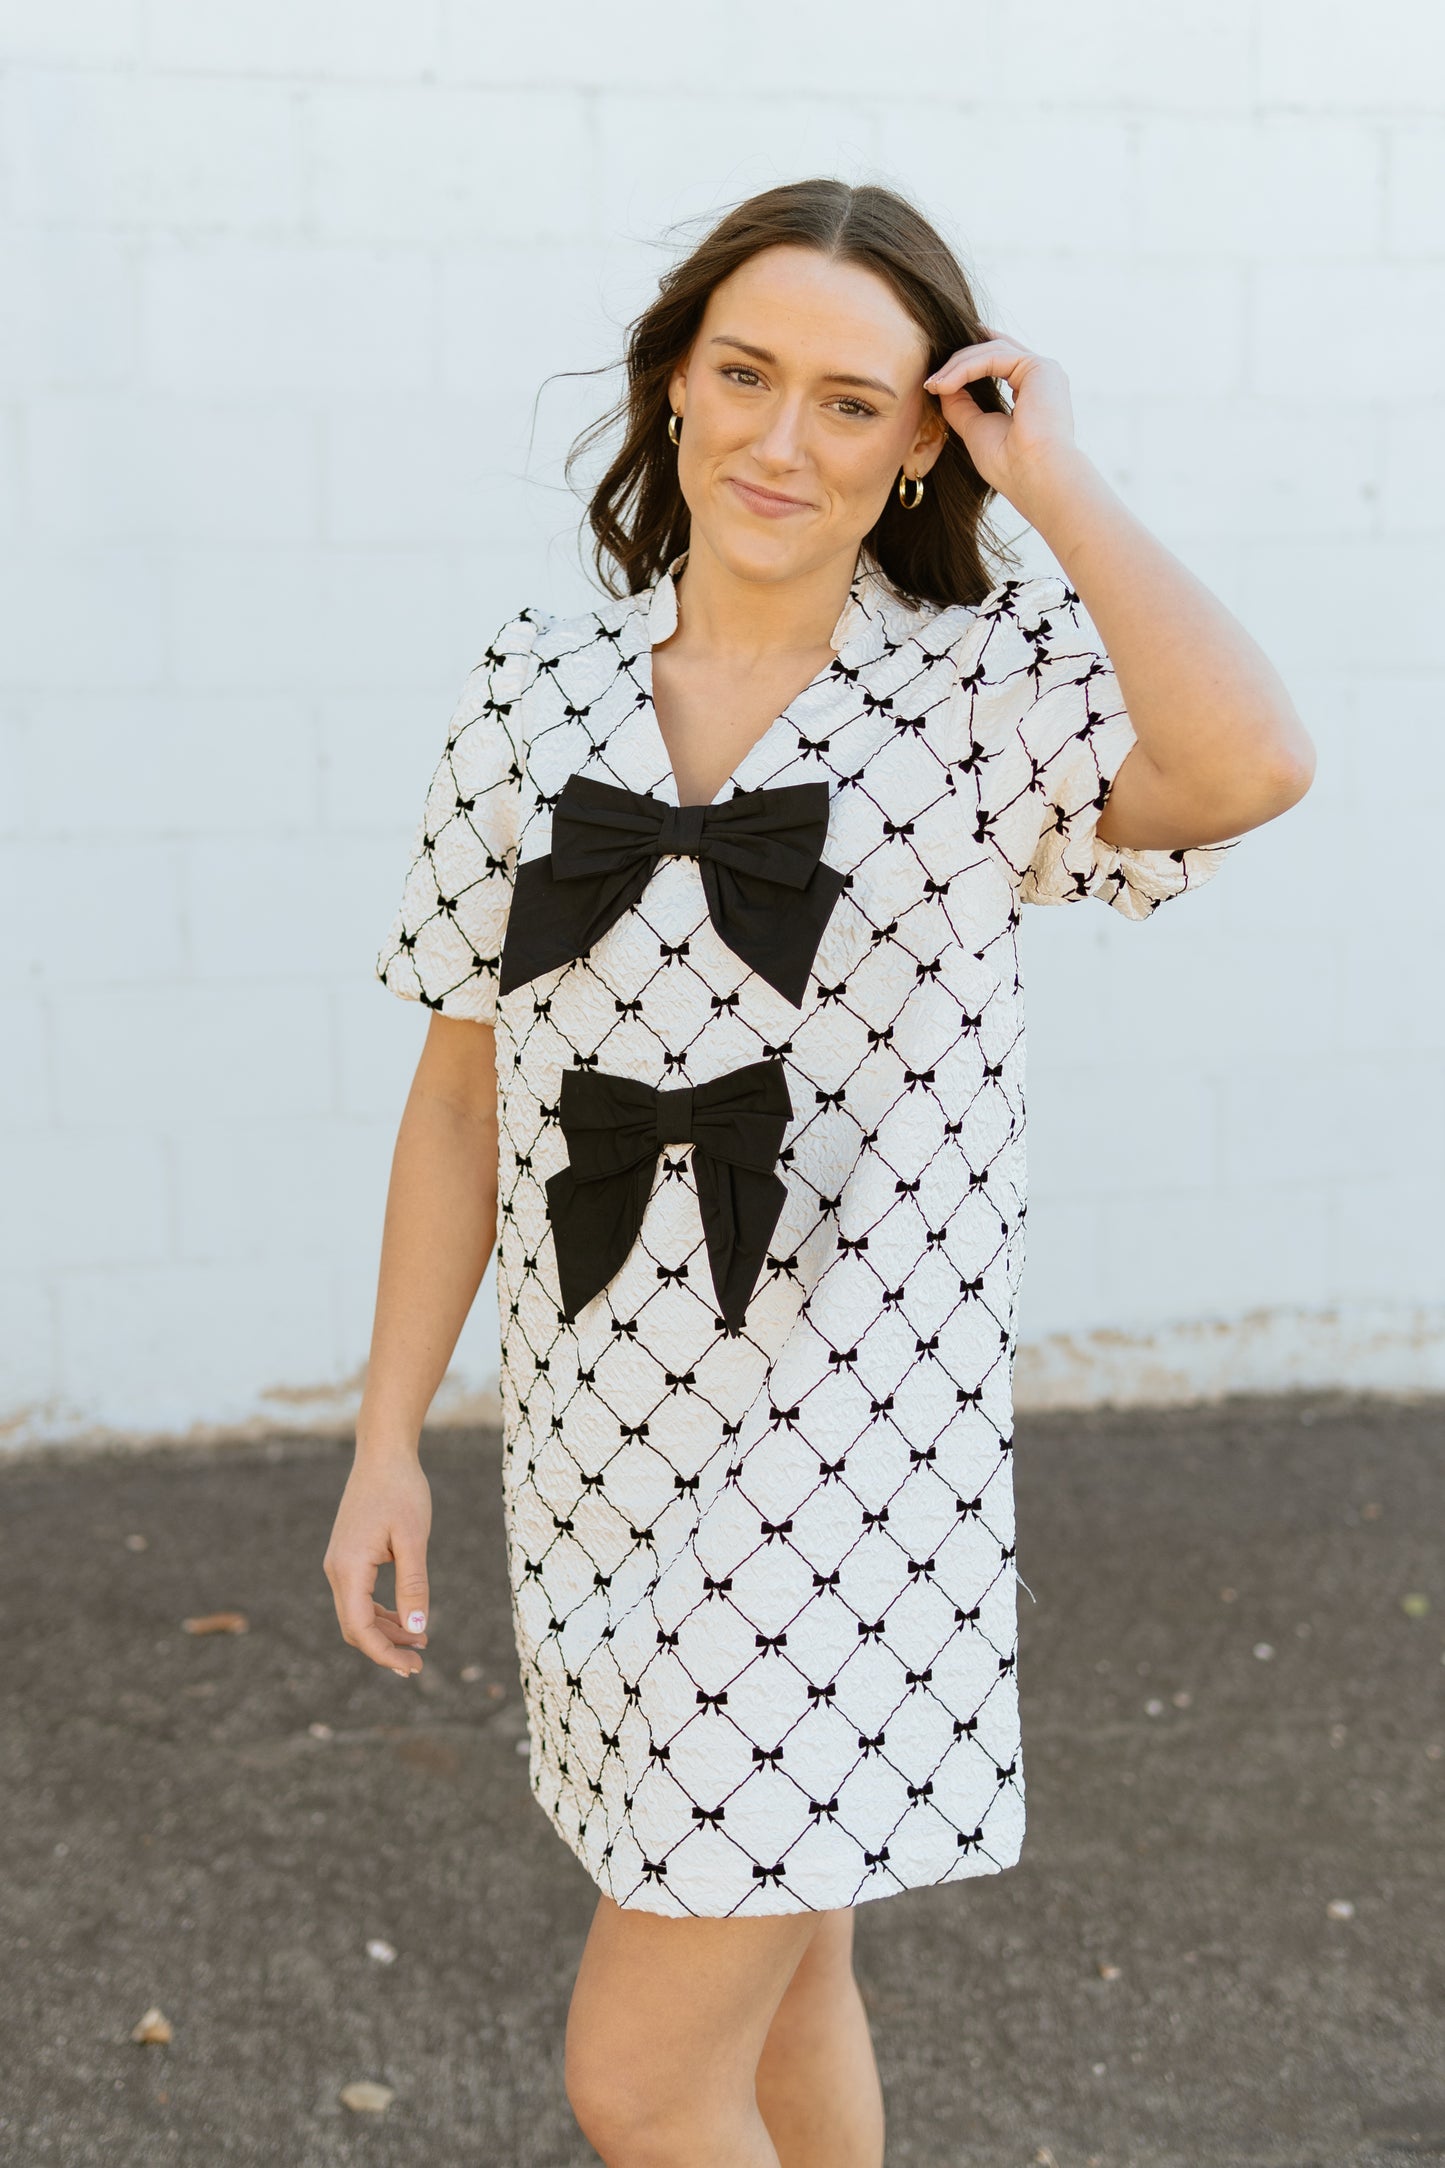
(768, 893)
(615, 1129)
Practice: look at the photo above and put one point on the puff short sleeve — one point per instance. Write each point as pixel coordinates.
(1065, 736)
(445, 942)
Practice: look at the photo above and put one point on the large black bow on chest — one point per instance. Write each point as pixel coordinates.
(615, 1130)
(760, 855)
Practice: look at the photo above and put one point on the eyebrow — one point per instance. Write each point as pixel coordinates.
(832, 376)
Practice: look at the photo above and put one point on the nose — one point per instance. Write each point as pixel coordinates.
(780, 448)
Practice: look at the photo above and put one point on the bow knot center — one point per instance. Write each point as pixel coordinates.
(674, 1115)
(681, 832)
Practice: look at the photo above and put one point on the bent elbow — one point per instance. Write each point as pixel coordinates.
(1270, 788)
(1284, 762)
(1292, 775)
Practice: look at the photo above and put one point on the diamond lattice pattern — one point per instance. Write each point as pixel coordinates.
(764, 1582)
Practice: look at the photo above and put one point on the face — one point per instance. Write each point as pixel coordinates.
(802, 398)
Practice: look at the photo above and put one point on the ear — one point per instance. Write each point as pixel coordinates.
(930, 440)
(677, 385)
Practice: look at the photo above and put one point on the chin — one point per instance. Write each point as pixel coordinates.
(761, 549)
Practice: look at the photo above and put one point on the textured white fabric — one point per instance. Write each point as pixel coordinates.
(764, 1583)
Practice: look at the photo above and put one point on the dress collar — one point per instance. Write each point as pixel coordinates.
(852, 638)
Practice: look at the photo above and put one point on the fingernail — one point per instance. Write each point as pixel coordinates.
(416, 1622)
(400, 1673)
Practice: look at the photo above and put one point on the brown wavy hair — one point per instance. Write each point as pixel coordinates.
(941, 553)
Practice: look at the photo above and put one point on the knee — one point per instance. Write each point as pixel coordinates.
(634, 2118)
(611, 2107)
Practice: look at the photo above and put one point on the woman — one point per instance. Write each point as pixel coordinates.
(715, 906)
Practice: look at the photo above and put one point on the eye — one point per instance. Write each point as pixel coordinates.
(851, 407)
(739, 373)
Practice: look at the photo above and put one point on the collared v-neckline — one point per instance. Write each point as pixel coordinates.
(659, 606)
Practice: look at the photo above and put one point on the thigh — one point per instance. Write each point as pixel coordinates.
(822, 1974)
(665, 2011)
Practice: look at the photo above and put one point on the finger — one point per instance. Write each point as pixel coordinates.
(357, 1613)
(411, 1584)
(960, 376)
(401, 1658)
(995, 357)
(991, 338)
(392, 1627)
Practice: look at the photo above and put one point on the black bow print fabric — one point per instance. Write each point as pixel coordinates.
(840, 1470)
(760, 855)
(616, 1128)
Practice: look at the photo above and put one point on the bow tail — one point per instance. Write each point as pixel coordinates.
(774, 928)
(594, 1226)
(740, 1207)
(553, 921)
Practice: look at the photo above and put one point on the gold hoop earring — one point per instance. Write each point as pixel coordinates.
(674, 428)
(910, 504)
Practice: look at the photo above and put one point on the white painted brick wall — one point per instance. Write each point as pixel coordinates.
(279, 287)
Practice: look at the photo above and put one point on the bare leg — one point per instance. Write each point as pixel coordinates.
(817, 2081)
(667, 2023)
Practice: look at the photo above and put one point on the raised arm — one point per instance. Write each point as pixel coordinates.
(1220, 748)
(441, 1223)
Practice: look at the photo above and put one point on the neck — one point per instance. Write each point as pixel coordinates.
(719, 612)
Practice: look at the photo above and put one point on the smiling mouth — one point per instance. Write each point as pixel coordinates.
(770, 502)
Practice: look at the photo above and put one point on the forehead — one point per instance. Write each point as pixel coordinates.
(816, 310)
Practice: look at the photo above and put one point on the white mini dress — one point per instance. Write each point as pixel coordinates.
(763, 1575)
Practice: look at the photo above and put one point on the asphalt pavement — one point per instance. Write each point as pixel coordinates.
(1224, 1946)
